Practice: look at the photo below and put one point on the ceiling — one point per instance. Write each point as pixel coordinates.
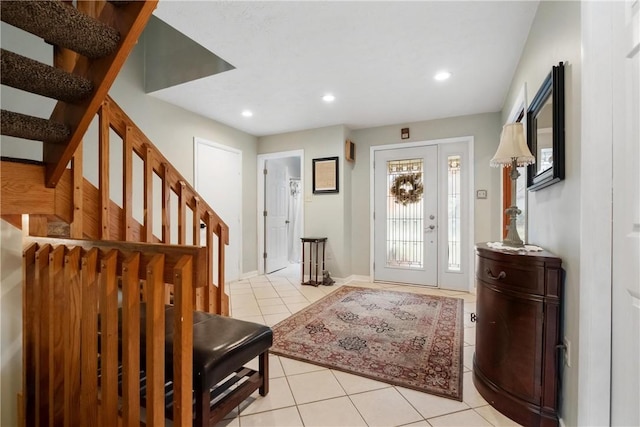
(377, 58)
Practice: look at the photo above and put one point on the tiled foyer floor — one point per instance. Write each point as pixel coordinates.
(303, 394)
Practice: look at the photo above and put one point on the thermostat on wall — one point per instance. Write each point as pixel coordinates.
(481, 194)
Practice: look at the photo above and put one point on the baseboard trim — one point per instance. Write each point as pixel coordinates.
(248, 275)
(356, 278)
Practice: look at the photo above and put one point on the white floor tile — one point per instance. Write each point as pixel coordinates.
(336, 412)
(266, 292)
(279, 396)
(469, 350)
(275, 367)
(275, 309)
(464, 418)
(295, 299)
(295, 367)
(279, 418)
(245, 311)
(385, 407)
(270, 301)
(490, 414)
(314, 386)
(272, 319)
(422, 423)
(470, 394)
(356, 384)
(431, 406)
(296, 307)
(470, 336)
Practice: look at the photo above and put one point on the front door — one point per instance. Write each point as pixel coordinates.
(405, 215)
(625, 321)
(276, 201)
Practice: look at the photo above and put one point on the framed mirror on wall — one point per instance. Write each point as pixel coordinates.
(545, 131)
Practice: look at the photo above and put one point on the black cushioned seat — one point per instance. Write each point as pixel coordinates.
(221, 346)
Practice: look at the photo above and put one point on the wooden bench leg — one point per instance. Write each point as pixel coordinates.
(202, 408)
(263, 369)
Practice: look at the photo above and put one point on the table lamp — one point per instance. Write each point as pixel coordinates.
(512, 151)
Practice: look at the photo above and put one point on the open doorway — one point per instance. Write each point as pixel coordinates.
(280, 210)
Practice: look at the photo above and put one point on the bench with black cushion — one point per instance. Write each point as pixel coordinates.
(221, 347)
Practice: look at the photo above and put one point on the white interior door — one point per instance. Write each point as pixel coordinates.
(218, 179)
(276, 200)
(405, 227)
(625, 322)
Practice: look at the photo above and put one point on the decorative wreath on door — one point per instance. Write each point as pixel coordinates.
(407, 188)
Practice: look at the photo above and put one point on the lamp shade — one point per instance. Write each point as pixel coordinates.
(512, 146)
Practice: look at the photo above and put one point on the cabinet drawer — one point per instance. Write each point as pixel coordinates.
(520, 277)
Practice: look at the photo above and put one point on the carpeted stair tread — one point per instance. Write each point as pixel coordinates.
(33, 128)
(32, 76)
(61, 25)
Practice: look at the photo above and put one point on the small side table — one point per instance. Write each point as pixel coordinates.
(314, 246)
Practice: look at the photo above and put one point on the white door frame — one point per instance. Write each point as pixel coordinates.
(196, 142)
(469, 140)
(260, 192)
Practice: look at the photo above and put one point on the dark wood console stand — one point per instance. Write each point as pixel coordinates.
(518, 334)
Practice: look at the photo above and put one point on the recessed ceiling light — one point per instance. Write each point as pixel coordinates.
(328, 98)
(247, 113)
(442, 75)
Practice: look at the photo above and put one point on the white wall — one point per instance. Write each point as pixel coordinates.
(485, 128)
(554, 212)
(10, 321)
(324, 214)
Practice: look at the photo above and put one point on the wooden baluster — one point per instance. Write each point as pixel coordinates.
(166, 218)
(148, 194)
(183, 343)
(55, 309)
(210, 299)
(71, 321)
(89, 337)
(198, 303)
(127, 184)
(29, 329)
(131, 340)
(223, 299)
(103, 140)
(41, 291)
(155, 331)
(76, 227)
(166, 203)
(182, 214)
(109, 338)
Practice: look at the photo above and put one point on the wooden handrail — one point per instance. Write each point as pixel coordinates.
(136, 143)
(129, 19)
(71, 315)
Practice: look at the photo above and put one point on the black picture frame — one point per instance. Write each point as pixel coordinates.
(547, 109)
(325, 175)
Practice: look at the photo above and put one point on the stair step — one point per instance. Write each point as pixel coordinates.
(32, 76)
(61, 25)
(34, 128)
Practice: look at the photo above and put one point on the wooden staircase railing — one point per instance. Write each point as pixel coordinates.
(77, 358)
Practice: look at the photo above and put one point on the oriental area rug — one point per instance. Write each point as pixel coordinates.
(400, 338)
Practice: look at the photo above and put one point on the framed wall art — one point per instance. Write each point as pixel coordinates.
(325, 175)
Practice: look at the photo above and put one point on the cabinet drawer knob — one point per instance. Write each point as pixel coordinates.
(501, 275)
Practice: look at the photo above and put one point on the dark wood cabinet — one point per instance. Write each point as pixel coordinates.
(518, 334)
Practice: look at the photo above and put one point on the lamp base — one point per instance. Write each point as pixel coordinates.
(513, 239)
